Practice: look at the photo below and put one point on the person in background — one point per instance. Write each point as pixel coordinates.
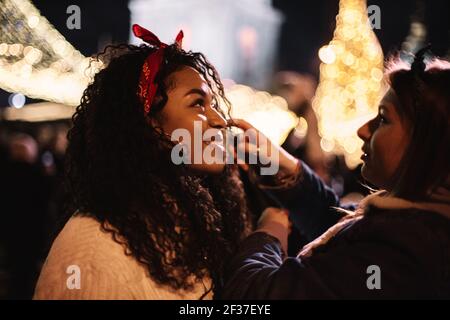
(24, 207)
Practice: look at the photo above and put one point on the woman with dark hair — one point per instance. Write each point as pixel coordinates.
(396, 242)
(145, 228)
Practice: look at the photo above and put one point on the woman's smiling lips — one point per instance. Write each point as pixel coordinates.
(365, 155)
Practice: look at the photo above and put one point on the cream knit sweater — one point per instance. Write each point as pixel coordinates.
(86, 263)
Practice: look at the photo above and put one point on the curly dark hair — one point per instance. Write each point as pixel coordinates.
(182, 227)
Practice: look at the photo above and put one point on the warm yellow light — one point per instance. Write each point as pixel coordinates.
(41, 63)
(349, 59)
(15, 49)
(377, 74)
(327, 55)
(327, 145)
(350, 87)
(331, 71)
(33, 21)
(301, 129)
(3, 48)
(267, 113)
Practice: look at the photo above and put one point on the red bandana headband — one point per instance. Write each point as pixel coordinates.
(147, 87)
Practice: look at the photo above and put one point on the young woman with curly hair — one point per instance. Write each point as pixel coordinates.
(145, 228)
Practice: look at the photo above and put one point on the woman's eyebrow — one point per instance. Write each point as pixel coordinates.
(196, 91)
(383, 108)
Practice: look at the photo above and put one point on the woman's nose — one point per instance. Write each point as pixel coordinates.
(364, 132)
(215, 119)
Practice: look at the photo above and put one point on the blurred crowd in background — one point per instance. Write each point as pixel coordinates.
(31, 161)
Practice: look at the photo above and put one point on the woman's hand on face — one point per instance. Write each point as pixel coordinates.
(275, 222)
(265, 149)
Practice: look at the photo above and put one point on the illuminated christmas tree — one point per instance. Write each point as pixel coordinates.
(350, 85)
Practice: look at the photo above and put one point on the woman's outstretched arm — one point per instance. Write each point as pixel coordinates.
(311, 203)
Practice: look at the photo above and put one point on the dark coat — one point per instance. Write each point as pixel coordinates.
(410, 247)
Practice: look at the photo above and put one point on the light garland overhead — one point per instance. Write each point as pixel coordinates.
(351, 76)
(36, 60)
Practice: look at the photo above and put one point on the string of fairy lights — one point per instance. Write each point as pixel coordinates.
(36, 60)
(351, 77)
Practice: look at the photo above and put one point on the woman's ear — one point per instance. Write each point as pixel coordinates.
(156, 123)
